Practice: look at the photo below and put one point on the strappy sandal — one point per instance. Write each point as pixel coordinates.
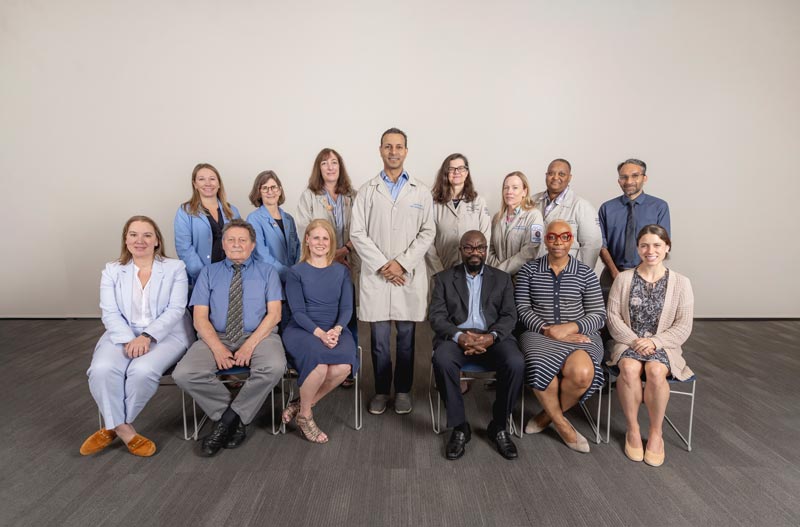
(291, 411)
(309, 429)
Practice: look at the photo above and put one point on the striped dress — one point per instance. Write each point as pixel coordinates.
(543, 298)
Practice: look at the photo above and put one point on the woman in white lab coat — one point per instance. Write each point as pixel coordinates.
(517, 229)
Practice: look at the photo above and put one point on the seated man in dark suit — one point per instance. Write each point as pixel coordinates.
(472, 314)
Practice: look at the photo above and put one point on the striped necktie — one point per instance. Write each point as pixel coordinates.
(234, 325)
(630, 235)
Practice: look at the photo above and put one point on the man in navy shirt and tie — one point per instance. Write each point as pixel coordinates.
(622, 217)
(237, 307)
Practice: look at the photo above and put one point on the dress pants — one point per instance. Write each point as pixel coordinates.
(121, 386)
(197, 374)
(503, 357)
(380, 333)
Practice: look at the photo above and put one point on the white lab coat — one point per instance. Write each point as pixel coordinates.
(451, 224)
(384, 230)
(521, 242)
(583, 219)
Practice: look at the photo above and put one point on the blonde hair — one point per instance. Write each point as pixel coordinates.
(193, 205)
(527, 202)
(315, 224)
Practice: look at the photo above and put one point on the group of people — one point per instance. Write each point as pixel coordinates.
(516, 292)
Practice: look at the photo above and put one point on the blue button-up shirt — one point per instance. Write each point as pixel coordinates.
(475, 318)
(614, 217)
(395, 186)
(260, 284)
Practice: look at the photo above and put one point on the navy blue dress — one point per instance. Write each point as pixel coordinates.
(318, 297)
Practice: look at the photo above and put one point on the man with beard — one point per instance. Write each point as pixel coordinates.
(472, 314)
(622, 217)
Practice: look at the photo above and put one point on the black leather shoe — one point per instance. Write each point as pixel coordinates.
(506, 447)
(457, 443)
(236, 436)
(215, 440)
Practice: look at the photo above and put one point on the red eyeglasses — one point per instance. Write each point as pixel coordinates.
(563, 236)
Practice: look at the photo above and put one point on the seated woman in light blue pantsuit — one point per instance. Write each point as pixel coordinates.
(143, 300)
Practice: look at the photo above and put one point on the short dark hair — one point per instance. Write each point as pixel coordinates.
(241, 224)
(658, 230)
(395, 131)
(470, 234)
(561, 160)
(633, 161)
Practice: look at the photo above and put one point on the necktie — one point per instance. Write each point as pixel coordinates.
(234, 325)
(630, 235)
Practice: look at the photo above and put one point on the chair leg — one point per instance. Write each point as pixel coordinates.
(686, 440)
(357, 396)
(99, 419)
(434, 419)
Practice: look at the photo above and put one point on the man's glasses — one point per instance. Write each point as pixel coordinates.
(469, 249)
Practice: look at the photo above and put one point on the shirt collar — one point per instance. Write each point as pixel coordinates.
(544, 265)
(386, 178)
(469, 275)
(245, 264)
(560, 198)
(640, 199)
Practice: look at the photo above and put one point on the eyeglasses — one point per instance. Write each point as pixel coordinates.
(270, 188)
(563, 236)
(457, 170)
(469, 249)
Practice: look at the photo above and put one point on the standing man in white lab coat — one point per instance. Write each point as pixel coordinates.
(392, 228)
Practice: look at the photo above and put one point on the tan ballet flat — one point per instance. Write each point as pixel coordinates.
(634, 454)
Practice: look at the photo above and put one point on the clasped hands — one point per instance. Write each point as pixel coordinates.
(475, 343)
(393, 272)
(565, 333)
(643, 346)
(330, 338)
(137, 347)
(226, 359)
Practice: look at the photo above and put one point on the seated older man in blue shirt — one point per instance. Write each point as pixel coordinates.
(622, 217)
(237, 307)
(472, 314)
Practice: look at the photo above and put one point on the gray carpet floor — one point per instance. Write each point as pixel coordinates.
(744, 468)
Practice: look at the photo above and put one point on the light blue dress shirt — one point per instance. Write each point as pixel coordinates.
(260, 284)
(395, 186)
(475, 318)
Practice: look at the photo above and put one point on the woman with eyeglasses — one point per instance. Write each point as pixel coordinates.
(199, 221)
(561, 306)
(277, 242)
(650, 312)
(517, 228)
(457, 208)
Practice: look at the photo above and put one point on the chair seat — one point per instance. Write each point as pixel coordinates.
(236, 370)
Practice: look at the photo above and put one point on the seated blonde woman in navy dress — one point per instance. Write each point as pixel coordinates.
(143, 300)
(650, 311)
(320, 296)
(561, 306)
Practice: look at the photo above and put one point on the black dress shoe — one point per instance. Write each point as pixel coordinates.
(215, 440)
(458, 440)
(236, 436)
(506, 447)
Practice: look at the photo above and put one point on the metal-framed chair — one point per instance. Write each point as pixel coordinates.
(676, 388)
(470, 368)
(235, 371)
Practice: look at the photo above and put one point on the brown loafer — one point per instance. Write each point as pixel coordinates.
(97, 441)
(141, 446)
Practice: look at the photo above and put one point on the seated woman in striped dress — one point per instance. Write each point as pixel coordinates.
(561, 306)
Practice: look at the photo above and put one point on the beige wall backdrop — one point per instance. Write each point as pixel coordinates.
(107, 106)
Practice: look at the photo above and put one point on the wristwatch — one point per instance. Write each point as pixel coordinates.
(149, 336)
(494, 334)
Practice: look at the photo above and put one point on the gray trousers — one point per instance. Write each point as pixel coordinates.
(196, 373)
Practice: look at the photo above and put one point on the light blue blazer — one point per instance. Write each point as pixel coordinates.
(168, 290)
(193, 239)
(271, 245)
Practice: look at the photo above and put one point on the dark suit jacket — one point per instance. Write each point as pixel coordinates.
(450, 303)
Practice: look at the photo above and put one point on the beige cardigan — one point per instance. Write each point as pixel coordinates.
(674, 325)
